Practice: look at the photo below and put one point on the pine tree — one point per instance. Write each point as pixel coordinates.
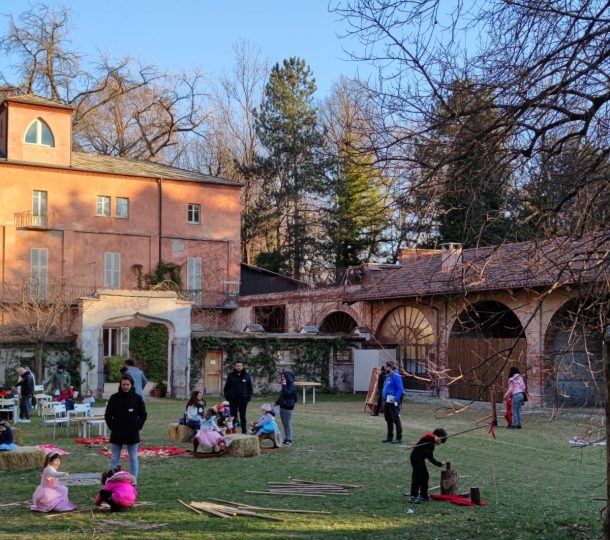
(287, 127)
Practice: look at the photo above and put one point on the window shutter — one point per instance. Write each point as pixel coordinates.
(39, 268)
(124, 342)
(193, 278)
(112, 270)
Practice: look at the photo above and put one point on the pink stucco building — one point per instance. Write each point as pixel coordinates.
(99, 223)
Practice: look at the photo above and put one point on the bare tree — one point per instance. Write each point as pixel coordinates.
(123, 108)
(228, 145)
(37, 312)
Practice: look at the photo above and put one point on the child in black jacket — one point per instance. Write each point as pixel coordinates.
(424, 449)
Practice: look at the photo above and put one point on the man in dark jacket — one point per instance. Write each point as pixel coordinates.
(125, 416)
(287, 401)
(27, 391)
(238, 392)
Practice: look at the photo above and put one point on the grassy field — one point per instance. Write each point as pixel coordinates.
(536, 485)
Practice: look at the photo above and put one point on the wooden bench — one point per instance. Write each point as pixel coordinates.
(22, 458)
(179, 433)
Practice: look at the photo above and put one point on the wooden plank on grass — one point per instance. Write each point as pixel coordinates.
(288, 510)
(297, 494)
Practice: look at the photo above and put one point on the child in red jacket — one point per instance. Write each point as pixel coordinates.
(118, 491)
(422, 451)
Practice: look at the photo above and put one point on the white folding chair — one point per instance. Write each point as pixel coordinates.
(80, 409)
(54, 414)
(102, 428)
(7, 406)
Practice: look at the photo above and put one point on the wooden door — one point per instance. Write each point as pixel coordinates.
(478, 363)
(212, 379)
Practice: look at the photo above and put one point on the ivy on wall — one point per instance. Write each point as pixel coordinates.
(148, 346)
(311, 357)
(67, 354)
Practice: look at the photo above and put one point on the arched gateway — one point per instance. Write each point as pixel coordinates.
(116, 305)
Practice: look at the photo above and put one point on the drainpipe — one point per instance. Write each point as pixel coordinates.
(160, 195)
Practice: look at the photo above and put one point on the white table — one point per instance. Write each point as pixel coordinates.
(308, 384)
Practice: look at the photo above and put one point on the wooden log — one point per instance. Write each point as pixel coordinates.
(475, 495)
(449, 481)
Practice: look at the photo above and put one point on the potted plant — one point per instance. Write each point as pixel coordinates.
(159, 390)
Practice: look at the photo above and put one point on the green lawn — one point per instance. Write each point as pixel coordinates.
(537, 486)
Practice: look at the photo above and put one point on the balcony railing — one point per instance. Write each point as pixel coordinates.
(29, 220)
(226, 298)
(38, 292)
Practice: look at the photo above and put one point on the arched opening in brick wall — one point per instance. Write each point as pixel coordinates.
(408, 329)
(484, 343)
(338, 322)
(573, 356)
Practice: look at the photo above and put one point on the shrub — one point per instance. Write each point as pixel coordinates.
(113, 368)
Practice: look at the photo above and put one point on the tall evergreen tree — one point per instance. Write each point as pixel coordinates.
(357, 208)
(468, 174)
(293, 166)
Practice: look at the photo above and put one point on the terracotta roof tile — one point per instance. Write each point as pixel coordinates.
(507, 266)
(32, 99)
(130, 167)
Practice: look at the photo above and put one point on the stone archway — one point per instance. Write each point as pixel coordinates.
(115, 305)
(573, 356)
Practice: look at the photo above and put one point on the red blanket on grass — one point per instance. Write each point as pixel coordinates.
(162, 451)
(455, 499)
(92, 441)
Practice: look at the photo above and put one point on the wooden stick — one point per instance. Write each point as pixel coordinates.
(350, 486)
(288, 510)
(209, 510)
(220, 508)
(297, 494)
(190, 507)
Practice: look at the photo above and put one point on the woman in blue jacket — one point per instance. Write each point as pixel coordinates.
(287, 401)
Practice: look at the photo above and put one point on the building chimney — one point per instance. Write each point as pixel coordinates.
(452, 256)
(410, 253)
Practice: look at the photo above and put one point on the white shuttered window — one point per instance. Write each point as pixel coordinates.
(112, 270)
(39, 269)
(193, 278)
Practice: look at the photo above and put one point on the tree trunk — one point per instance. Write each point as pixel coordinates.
(607, 397)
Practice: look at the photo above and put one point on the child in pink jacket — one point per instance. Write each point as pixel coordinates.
(118, 491)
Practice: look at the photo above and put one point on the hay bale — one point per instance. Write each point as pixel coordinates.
(23, 457)
(179, 433)
(17, 436)
(239, 445)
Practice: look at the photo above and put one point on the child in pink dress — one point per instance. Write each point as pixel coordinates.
(49, 495)
(209, 433)
(118, 490)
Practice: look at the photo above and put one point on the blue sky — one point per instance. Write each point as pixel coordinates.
(189, 34)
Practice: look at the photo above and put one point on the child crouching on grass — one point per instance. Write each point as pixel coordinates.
(424, 449)
(118, 490)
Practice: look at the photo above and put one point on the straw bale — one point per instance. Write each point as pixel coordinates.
(242, 445)
(179, 433)
(17, 435)
(23, 457)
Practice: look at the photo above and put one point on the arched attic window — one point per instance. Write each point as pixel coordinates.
(39, 132)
